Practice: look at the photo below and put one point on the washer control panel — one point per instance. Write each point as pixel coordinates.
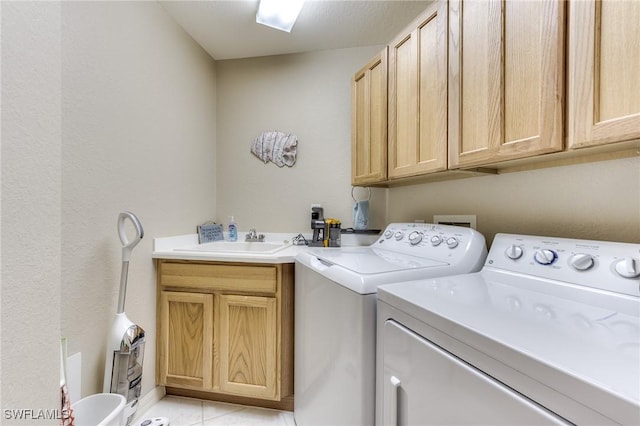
(598, 264)
(442, 242)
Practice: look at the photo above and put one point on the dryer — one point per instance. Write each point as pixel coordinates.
(548, 332)
(335, 312)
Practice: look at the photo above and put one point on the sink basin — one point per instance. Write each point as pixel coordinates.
(237, 247)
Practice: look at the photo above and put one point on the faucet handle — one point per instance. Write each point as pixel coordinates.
(252, 235)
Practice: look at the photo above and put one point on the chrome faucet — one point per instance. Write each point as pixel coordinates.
(253, 236)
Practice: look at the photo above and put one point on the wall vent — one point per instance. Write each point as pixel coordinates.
(466, 220)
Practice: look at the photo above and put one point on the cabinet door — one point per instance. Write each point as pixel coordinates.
(185, 339)
(604, 72)
(506, 76)
(369, 122)
(248, 354)
(418, 96)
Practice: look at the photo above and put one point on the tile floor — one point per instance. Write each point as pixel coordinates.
(194, 412)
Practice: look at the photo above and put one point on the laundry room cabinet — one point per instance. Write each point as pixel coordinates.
(369, 122)
(418, 96)
(225, 330)
(603, 64)
(499, 86)
(186, 333)
(506, 80)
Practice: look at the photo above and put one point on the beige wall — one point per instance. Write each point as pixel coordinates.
(31, 157)
(307, 94)
(597, 201)
(138, 119)
(107, 106)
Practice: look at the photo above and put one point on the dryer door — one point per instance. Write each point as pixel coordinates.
(424, 384)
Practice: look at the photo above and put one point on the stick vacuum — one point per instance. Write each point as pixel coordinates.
(125, 347)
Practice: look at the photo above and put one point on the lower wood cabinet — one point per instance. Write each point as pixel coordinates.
(247, 345)
(185, 339)
(225, 331)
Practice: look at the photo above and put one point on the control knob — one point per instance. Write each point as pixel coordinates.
(399, 235)
(452, 242)
(514, 252)
(388, 234)
(628, 267)
(436, 240)
(581, 261)
(545, 256)
(415, 237)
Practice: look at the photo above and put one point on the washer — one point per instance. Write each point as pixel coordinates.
(548, 332)
(335, 313)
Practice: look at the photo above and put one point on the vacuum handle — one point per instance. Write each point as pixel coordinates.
(127, 246)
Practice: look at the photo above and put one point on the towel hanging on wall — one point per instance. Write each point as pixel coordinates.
(278, 147)
(361, 211)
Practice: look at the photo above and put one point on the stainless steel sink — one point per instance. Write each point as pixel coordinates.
(237, 247)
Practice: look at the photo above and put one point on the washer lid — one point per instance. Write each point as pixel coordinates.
(368, 260)
(568, 337)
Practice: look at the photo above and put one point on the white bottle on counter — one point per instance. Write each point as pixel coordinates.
(233, 231)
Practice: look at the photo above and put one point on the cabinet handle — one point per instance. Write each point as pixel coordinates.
(393, 401)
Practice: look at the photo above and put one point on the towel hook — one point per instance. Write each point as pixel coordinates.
(353, 196)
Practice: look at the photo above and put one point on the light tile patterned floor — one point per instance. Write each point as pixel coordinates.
(194, 412)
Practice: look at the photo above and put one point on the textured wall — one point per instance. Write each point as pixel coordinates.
(107, 106)
(31, 157)
(308, 94)
(138, 124)
(599, 201)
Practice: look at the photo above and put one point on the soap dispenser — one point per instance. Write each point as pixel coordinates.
(233, 231)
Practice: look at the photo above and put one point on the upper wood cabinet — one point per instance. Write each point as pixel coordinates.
(604, 72)
(369, 122)
(506, 74)
(418, 96)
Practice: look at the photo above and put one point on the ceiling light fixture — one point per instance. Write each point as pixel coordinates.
(279, 14)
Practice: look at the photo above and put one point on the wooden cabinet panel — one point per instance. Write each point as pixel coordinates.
(249, 362)
(604, 65)
(225, 331)
(186, 335)
(369, 122)
(418, 96)
(219, 277)
(506, 80)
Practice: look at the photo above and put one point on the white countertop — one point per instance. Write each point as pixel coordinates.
(186, 247)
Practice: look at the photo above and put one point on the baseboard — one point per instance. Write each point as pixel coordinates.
(147, 401)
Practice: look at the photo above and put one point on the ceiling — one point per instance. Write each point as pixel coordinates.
(228, 30)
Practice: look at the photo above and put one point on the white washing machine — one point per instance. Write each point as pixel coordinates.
(335, 313)
(548, 332)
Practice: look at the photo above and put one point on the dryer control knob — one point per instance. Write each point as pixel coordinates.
(388, 234)
(628, 267)
(582, 261)
(415, 237)
(399, 235)
(514, 252)
(545, 256)
(452, 242)
(436, 240)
